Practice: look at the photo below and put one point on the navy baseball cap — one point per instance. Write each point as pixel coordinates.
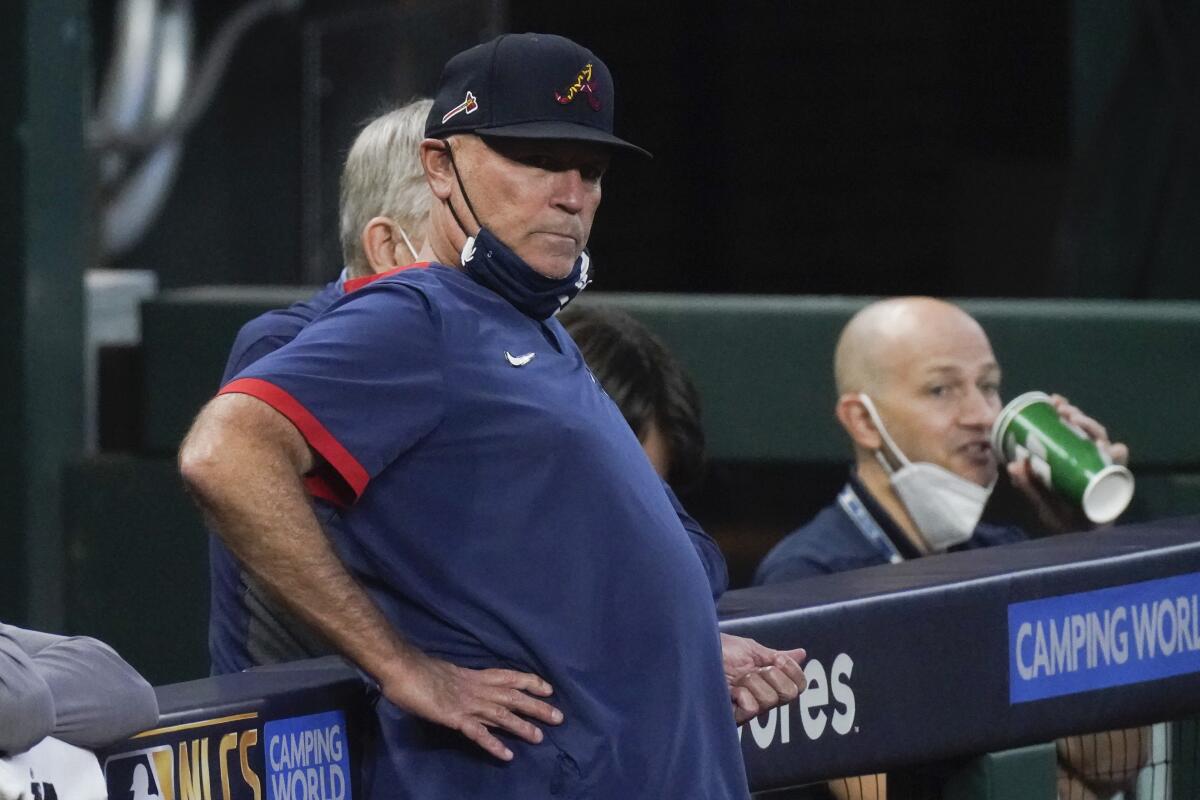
(527, 86)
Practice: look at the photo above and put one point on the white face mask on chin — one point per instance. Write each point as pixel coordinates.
(945, 507)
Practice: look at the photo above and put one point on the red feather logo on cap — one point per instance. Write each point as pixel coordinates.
(583, 85)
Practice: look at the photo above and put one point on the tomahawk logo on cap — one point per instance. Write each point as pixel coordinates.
(468, 106)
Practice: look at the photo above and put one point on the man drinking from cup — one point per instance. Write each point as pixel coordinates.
(919, 393)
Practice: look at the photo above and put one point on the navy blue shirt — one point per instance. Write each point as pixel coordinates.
(505, 516)
(247, 627)
(272, 330)
(834, 542)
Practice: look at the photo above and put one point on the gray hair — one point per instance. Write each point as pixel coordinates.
(383, 177)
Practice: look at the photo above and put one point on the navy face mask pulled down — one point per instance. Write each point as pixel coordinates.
(492, 264)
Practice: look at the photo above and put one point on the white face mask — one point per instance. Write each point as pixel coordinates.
(945, 507)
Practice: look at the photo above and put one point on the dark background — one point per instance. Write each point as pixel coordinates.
(1034, 148)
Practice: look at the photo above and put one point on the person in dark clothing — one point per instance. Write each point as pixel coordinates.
(919, 389)
(654, 392)
(506, 564)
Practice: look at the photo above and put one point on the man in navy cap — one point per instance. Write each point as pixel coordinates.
(505, 555)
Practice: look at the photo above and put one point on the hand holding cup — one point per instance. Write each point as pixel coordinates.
(1063, 460)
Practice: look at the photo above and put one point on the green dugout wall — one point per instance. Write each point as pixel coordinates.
(763, 364)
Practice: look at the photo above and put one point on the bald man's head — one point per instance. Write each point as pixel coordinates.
(929, 369)
(881, 340)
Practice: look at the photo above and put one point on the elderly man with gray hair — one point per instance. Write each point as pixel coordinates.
(384, 200)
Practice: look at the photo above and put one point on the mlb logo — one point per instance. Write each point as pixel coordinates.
(141, 775)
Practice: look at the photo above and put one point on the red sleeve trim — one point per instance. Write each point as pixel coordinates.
(357, 283)
(318, 487)
(310, 428)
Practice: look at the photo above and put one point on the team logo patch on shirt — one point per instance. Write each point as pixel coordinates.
(584, 84)
(468, 106)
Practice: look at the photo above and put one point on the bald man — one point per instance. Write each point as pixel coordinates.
(918, 390)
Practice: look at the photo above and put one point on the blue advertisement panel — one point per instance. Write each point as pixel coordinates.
(1108, 637)
(308, 758)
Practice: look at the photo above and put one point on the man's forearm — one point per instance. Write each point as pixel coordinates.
(303, 572)
(245, 472)
(284, 547)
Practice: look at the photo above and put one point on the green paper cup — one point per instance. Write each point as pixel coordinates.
(1063, 457)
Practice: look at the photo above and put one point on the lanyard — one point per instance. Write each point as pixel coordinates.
(870, 529)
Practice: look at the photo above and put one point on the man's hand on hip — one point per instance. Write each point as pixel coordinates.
(473, 701)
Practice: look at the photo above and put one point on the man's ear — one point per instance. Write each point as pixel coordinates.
(439, 171)
(852, 414)
(379, 240)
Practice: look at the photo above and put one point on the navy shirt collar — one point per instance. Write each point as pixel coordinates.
(881, 516)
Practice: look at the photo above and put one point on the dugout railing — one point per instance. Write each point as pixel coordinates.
(934, 661)
(919, 670)
(292, 731)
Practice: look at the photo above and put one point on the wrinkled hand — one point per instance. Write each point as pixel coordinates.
(760, 678)
(1057, 514)
(471, 701)
(14, 782)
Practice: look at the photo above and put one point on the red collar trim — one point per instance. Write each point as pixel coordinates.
(357, 283)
